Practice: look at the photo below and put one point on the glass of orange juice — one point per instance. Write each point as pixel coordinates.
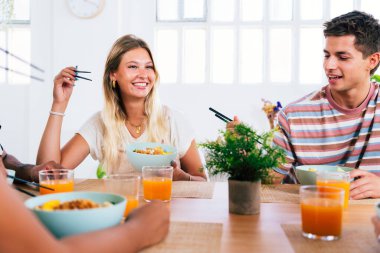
(336, 179)
(157, 182)
(60, 180)
(126, 185)
(321, 212)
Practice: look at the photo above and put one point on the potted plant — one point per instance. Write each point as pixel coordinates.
(247, 158)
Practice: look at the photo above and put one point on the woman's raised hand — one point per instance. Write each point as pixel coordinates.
(63, 86)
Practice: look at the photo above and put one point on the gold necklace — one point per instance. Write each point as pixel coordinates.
(137, 127)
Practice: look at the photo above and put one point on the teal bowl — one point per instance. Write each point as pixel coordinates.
(307, 174)
(69, 222)
(140, 160)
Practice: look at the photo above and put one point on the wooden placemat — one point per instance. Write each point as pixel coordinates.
(199, 190)
(282, 193)
(354, 239)
(190, 237)
(364, 202)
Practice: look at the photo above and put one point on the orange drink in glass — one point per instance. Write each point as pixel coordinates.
(321, 212)
(157, 182)
(336, 179)
(61, 180)
(126, 185)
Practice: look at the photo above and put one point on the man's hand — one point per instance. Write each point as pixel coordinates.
(231, 125)
(366, 186)
(32, 170)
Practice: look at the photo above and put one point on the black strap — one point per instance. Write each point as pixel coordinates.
(368, 136)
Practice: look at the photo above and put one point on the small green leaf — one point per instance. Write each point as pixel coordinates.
(100, 173)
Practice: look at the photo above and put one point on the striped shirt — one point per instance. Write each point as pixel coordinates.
(316, 130)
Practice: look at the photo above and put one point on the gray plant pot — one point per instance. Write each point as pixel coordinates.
(244, 197)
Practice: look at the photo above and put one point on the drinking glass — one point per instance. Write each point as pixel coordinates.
(157, 182)
(321, 212)
(126, 185)
(336, 179)
(61, 180)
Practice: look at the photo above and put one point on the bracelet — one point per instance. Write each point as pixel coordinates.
(57, 113)
(190, 177)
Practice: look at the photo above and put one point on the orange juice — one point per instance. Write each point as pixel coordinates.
(322, 216)
(132, 203)
(340, 184)
(58, 186)
(157, 188)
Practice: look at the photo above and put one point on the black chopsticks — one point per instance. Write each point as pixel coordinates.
(23, 61)
(26, 192)
(81, 77)
(31, 183)
(22, 73)
(220, 115)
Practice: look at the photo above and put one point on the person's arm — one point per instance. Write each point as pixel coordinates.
(20, 231)
(191, 168)
(282, 139)
(50, 146)
(366, 186)
(27, 171)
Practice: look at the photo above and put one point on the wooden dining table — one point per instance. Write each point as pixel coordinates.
(263, 232)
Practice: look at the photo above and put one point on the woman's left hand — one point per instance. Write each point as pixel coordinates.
(178, 173)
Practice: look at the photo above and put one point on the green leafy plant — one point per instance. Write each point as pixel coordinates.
(376, 78)
(243, 154)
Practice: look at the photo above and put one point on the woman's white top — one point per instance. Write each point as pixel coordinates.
(180, 135)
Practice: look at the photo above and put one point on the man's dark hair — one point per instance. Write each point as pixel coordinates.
(363, 26)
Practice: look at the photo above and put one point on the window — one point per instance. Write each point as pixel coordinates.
(15, 43)
(248, 42)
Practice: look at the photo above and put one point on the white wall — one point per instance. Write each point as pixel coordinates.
(59, 39)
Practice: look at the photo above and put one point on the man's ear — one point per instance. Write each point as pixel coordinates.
(374, 60)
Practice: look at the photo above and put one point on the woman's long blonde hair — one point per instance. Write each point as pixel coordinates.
(114, 114)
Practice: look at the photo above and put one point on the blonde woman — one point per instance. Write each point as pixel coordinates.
(132, 113)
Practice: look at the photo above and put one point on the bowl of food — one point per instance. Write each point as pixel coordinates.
(10, 173)
(142, 154)
(307, 174)
(72, 213)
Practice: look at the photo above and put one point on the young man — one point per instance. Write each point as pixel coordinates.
(340, 123)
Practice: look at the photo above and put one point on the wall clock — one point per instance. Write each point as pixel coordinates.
(85, 8)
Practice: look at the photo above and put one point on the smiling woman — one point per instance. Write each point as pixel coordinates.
(132, 113)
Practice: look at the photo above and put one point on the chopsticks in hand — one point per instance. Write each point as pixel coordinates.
(220, 115)
(225, 119)
(31, 183)
(81, 77)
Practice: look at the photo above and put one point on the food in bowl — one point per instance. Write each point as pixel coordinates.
(69, 222)
(307, 174)
(77, 204)
(152, 151)
(140, 159)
